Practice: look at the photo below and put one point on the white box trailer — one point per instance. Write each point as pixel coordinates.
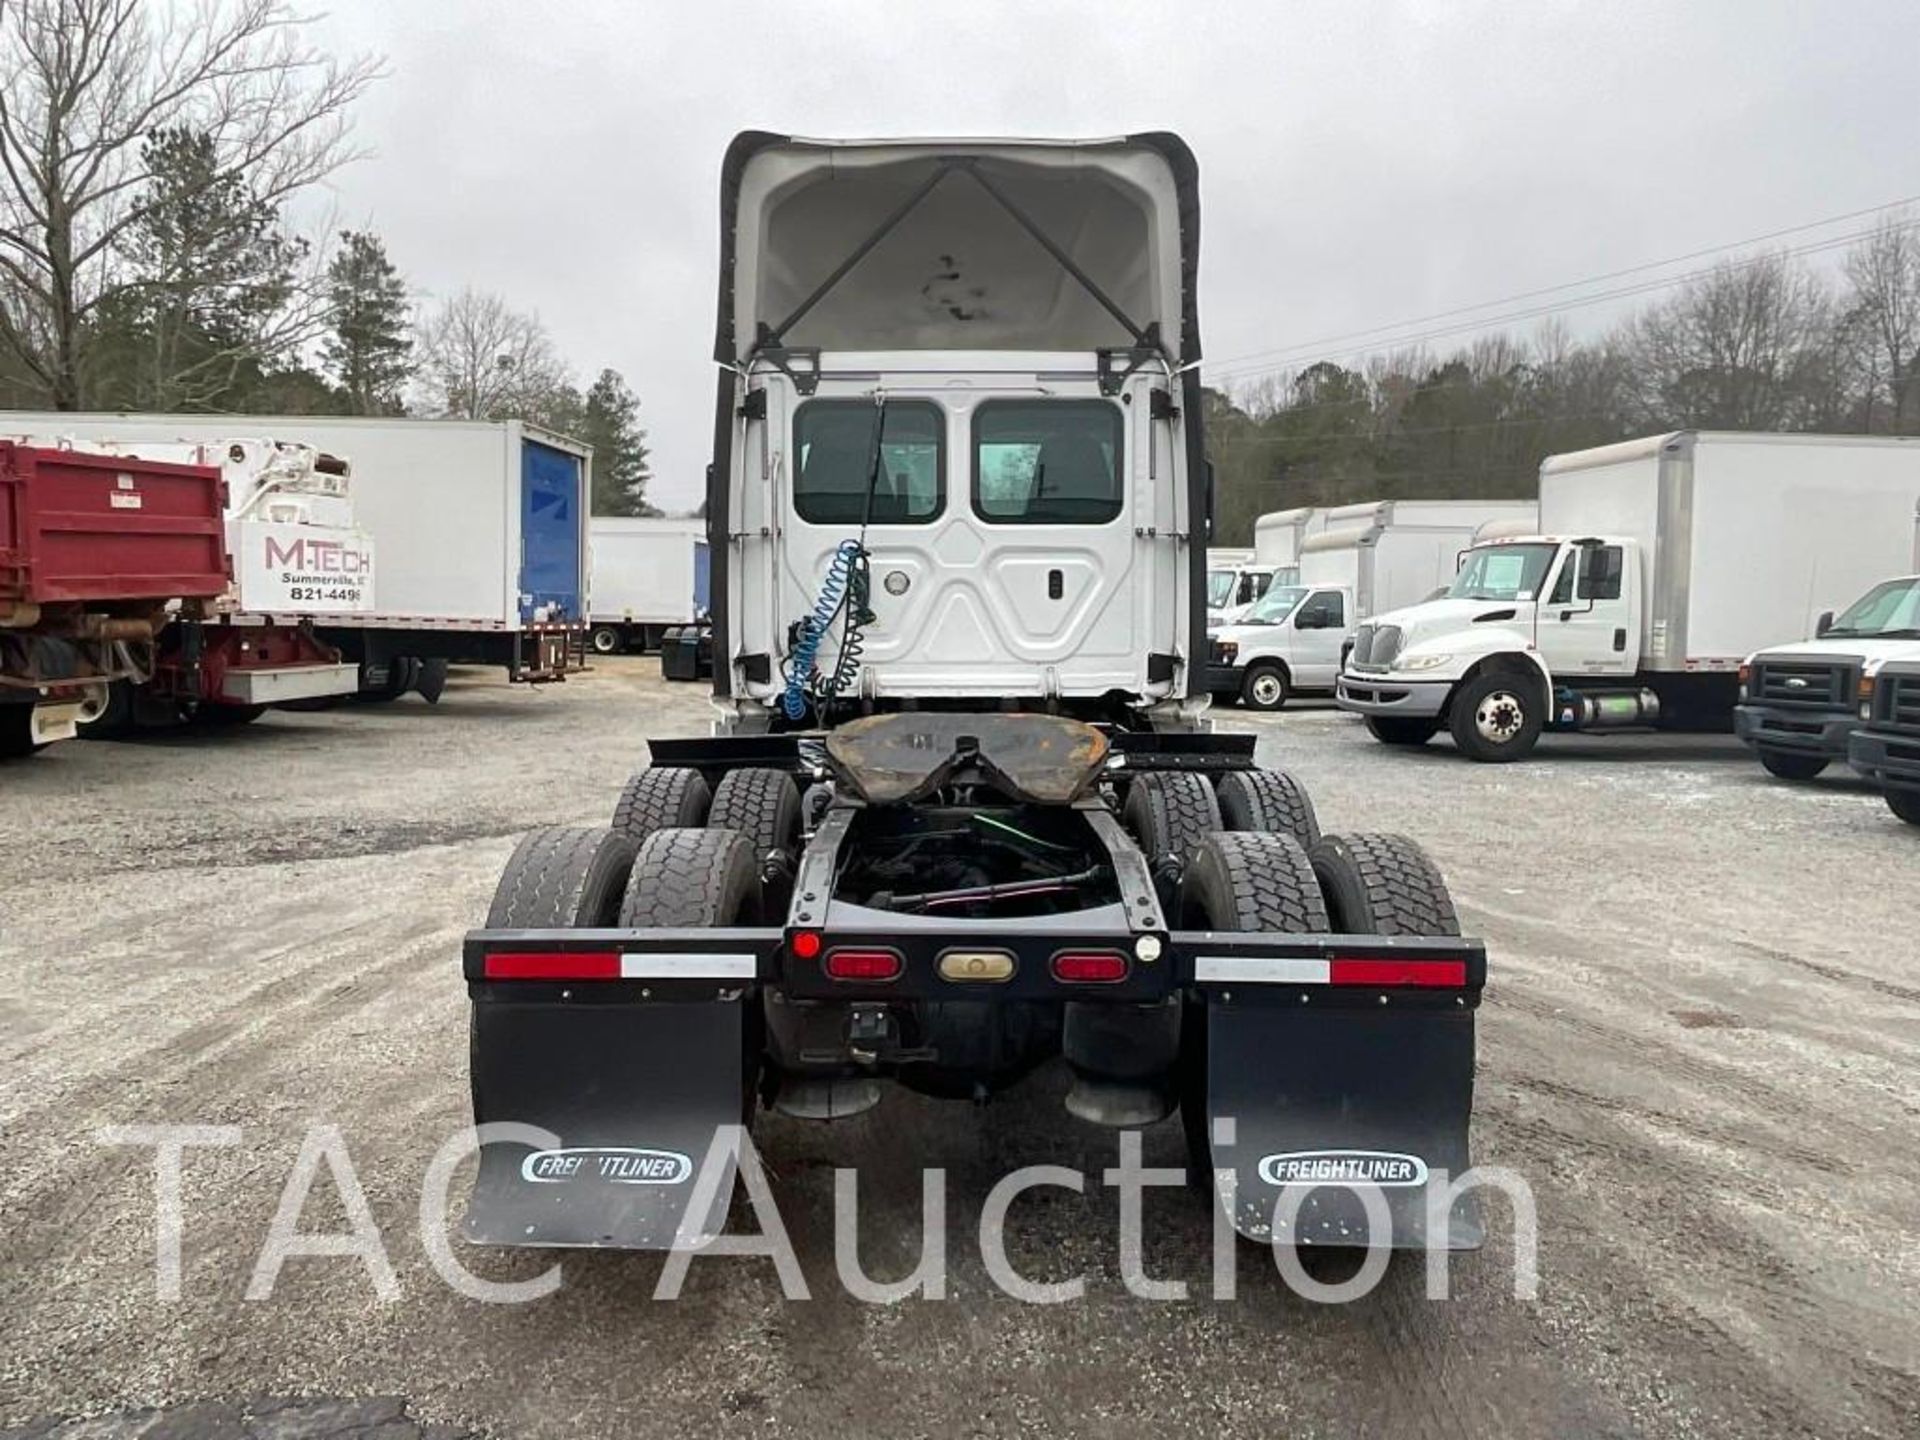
(1389, 553)
(480, 528)
(648, 575)
(1660, 565)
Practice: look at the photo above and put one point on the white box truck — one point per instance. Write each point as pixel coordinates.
(649, 575)
(1237, 578)
(1660, 566)
(480, 528)
(1351, 561)
(1278, 536)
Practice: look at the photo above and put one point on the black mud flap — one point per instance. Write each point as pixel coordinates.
(1327, 1123)
(633, 1093)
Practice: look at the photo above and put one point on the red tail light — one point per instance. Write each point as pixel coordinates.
(1444, 974)
(864, 964)
(805, 944)
(1089, 967)
(552, 965)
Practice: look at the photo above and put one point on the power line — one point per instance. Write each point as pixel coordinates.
(1228, 374)
(1232, 361)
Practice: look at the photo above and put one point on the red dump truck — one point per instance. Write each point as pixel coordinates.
(97, 553)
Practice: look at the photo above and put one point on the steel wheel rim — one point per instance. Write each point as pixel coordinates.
(1267, 689)
(1499, 716)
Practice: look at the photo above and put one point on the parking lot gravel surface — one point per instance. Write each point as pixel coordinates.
(1700, 1047)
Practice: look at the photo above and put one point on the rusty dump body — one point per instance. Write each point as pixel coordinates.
(93, 550)
(963, 815)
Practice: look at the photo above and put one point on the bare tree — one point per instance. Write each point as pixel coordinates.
(83, 85)
(1740, 348)
(480, 360)
(1884, 311)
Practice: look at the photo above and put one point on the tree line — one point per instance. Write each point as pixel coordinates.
(149, 155)
(1762, 342)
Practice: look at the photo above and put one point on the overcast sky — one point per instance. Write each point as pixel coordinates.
(1361, 163)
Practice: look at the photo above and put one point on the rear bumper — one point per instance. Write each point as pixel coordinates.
(1443, 972)
(1804, 732)
(1889, 758)
(1390, 695)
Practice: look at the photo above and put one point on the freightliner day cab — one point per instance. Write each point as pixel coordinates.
(962, 813)
(1662, 564)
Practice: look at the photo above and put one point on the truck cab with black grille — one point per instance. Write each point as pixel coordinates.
(1886, 748)
(1800, 703)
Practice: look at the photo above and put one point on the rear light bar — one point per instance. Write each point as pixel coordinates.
(552, 965)
(1375, 972)
(863, 964)
(1089, 967)
(618, 965)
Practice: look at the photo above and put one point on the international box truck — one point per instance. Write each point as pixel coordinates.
(480, 528)
(1661, 564)
(1351, 562)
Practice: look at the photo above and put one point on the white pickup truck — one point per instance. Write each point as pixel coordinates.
(1800, 703)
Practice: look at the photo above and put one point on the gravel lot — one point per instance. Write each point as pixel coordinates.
(1701, 1045)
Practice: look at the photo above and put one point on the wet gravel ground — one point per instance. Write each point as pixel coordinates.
(1699, 1047)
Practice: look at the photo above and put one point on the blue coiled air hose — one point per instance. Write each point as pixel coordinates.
(834, 595)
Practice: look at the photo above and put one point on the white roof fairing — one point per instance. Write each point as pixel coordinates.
(958, 269)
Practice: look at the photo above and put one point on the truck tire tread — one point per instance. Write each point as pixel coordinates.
(1268, 800)
(1382, 885)
(1252, 880)
(685, 879)
(763, 805)
(1169, 812)
(560, 877)
(661, 798)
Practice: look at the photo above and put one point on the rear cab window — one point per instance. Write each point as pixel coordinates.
(833, 462)
(1048, 462)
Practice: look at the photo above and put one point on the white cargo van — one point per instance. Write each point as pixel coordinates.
(1661, 565)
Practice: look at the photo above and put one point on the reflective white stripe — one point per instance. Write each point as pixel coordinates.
(697, 965)
(1256, 969)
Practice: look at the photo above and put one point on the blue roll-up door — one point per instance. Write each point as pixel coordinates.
(550, 501)
(702, 579)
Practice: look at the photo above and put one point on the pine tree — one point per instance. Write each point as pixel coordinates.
(610, 422)
(368, 349)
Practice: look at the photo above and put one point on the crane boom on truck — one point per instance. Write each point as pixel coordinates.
(962, 814)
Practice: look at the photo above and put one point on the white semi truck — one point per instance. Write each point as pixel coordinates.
(1353, 561)
(480, 528)
(649, 576)
(963, 814)
(1660, 566)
